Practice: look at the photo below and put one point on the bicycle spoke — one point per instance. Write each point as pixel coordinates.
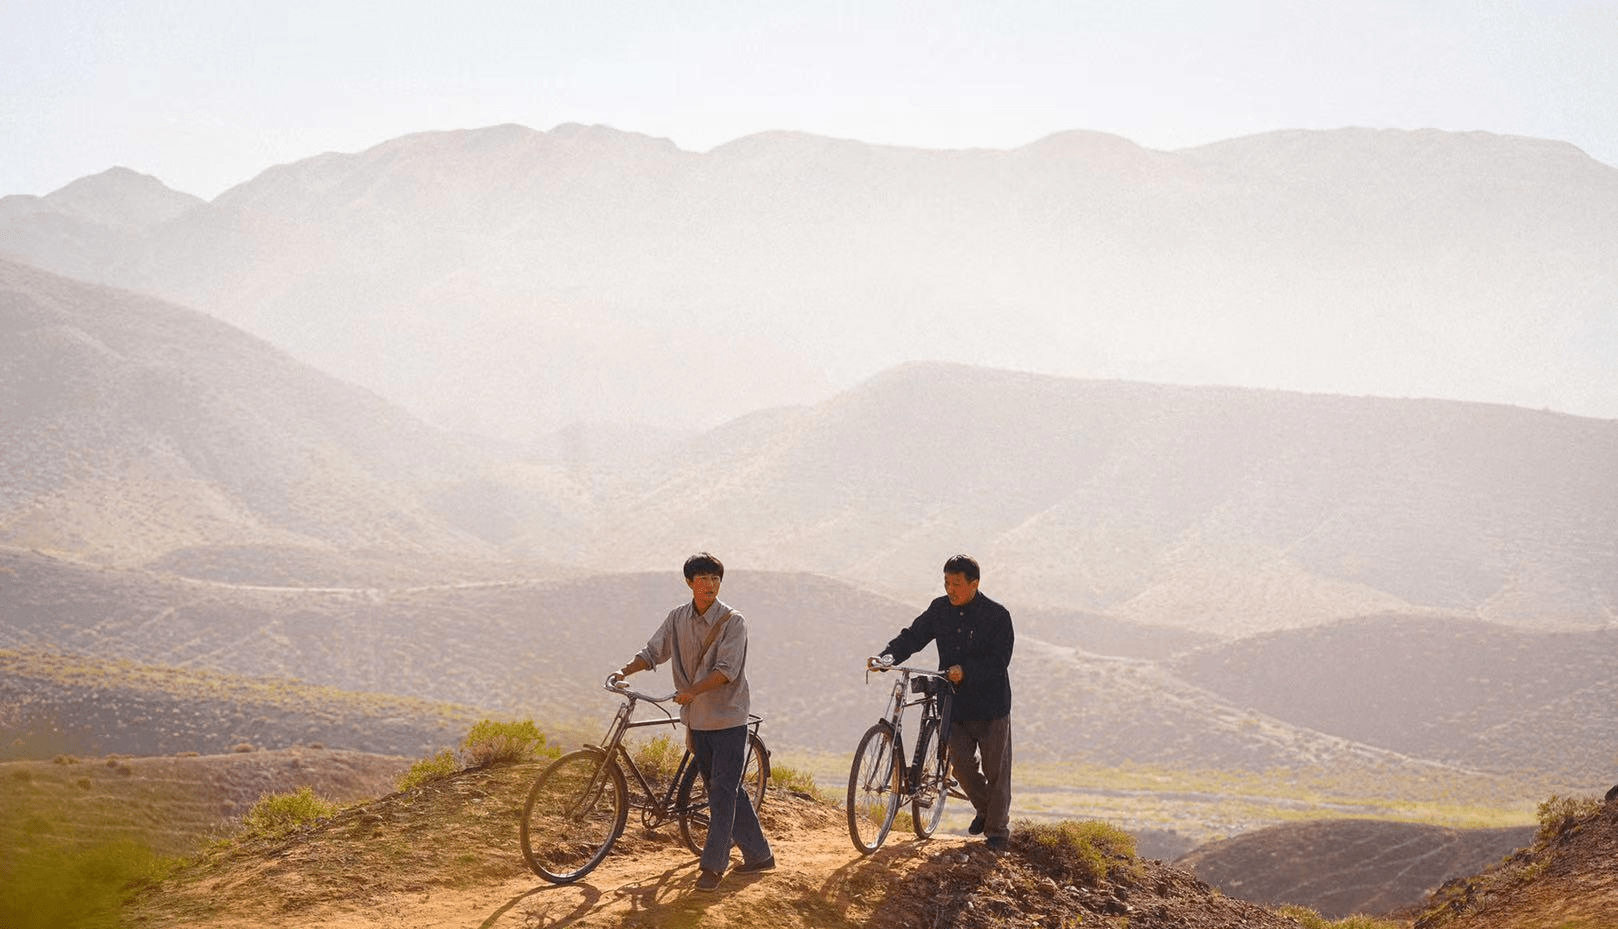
(575, 810)
(927, 804)
(873, 789)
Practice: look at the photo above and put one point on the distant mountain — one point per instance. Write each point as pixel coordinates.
(87, 228)
(542, 648)
(1221, 510)
(510, 281)
(131, 429)
(135, 432)
(1444, 687)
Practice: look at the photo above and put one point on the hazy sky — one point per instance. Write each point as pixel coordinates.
(205, 94)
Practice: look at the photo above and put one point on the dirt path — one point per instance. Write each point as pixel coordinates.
(649, 880)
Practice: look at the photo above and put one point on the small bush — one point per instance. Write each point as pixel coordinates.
(490, 743)
(275, 815)
(786, 777)
(244, 747)
(1558, 813)
(659, 758)
(438, 766)
(1077, 851)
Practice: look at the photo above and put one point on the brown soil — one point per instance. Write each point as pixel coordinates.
(1568, 881)
(1343, 867)
(446, 854)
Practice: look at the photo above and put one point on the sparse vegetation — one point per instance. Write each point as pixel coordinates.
(1559, 813)
(275, 815)
(432, 768)
(1309, 919)
(659, 758)
(798, 780)
(490, 743)
(1074, 851)
(487, 743)
(54, 885)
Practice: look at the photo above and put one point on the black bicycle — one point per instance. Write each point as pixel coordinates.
(579, 805)
(880, 781)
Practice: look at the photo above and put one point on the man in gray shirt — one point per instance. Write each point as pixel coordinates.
(705, 642)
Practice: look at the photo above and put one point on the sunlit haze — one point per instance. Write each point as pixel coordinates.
(205, 95)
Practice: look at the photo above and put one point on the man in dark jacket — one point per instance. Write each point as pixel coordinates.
(974, 639)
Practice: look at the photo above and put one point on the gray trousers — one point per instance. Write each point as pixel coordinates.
(989, 788)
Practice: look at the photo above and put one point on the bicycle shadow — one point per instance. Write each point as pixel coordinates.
(869, 874)
(668, 898)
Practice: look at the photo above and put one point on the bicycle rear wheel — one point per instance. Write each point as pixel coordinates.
(932, 786)
(693, 796)
(576, 809)
(873, 788)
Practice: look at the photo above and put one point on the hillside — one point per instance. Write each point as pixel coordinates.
(1446, 688)
(1222, 511)
(1569, 878)
(132, 428)
(141, 433)
(1344, 867)
(507, 280)
(525, 649)
(55, 704)
(175, 803)
(445, 853)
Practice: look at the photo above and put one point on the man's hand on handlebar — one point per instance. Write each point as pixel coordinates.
(880, 661)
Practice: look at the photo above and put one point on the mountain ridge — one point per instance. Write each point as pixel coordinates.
(1352, 261)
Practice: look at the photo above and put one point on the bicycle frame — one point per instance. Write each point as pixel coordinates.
(654, 812)
(898, 702)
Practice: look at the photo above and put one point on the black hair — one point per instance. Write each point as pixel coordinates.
(963, 564)
(703, 563)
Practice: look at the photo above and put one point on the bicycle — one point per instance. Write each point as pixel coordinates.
(879, 781)
(580, 804)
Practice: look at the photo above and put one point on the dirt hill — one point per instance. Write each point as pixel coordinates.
(1338, 868)
(446, 854)
(1566, 880)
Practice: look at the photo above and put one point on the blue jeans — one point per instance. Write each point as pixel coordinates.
(720, 755)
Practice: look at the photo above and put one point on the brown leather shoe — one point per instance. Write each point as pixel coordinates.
(708, 880)
(763, 864)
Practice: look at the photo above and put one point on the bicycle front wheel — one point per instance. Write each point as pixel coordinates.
(693, 795)
(873, 788)
(575, 811)
(932, 785)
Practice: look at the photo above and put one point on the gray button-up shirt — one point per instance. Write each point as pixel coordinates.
(680, 638)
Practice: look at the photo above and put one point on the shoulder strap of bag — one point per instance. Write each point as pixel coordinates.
(713, 636)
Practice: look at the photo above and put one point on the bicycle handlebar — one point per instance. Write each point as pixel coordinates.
(871, 664)
(621, 688)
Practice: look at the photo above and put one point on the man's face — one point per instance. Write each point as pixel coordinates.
(959, 590)
(704, 591)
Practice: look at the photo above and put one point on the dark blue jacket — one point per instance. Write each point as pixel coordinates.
(978, 637)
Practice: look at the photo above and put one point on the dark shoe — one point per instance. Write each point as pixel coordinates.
(996, 843)
(763, 864)
(708, 880)
(977, 825)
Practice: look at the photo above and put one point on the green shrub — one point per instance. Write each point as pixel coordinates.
(491, 743)
(486, 743)
(275, 815)
(1077, 851)
(786, 777)
(1558, 813)
(438, 766)
(659, 758)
